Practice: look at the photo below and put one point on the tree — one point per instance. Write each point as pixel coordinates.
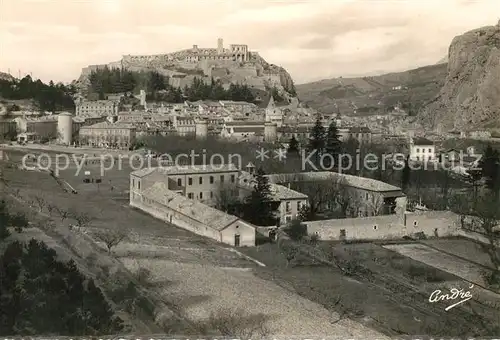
(227, 200)
(63, 214)
(111, 238)
(31, 301)
(83, 220)
(296, 230)
(473, 177)
(290, 251)
(40, 202)
(318, 138)
(293, 147)
(490, 167)
(235, 323)
(333, 145)
(482, 217)
(375, 204)
(259, 208)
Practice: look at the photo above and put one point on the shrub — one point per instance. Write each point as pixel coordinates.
(296, 230)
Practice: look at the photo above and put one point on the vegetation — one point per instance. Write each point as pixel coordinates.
(106, 81)
(317, 139)
(293, 147)
(258, 205)
(51, 97)
(43, 296)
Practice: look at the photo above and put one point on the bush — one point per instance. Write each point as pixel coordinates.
(296, 230)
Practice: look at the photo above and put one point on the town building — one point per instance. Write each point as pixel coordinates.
(42, 128)
(287, 203)
(109, 135)
(362, 134)
(96, 107)
(363, 196)
(422, 150)
(8, 129)
(191, 215)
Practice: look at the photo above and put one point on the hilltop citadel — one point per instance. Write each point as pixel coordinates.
(236, 64)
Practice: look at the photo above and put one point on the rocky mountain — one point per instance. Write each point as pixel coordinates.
(407, 91)
(470, 97)
(233, 65)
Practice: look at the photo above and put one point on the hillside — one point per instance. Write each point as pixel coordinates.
(236, 65)
(470, 97)
(410, 90)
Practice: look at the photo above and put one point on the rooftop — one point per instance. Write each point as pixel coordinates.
(422, 141)
(108, 125)
(349, 180)
(198, 211)
(186, 169)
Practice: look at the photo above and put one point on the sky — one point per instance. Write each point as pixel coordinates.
(313, 40)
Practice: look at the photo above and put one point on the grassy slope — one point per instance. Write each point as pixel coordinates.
(423, 85)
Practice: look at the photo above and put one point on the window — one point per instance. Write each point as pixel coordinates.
(342, 233)
(222, 178)
(211, 179)
(211, 194)
(190, 195)
(201, 180)
(179, 182)
(418, 150)
(430, 150)
(233, 178)
(201, 195)
(190, 181)
(139, 185)
(287, 206)
(288, 218)
(133, 183)
(415, 224)
(374, 227)
(299, 205)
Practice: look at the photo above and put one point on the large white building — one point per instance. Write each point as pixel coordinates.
(422, 150)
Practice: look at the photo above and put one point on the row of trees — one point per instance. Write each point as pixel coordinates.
(41, 295)
(47, 97)
(157, 86)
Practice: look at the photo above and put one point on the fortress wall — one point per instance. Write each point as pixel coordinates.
(246, 71)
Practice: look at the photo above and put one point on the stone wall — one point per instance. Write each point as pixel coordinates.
(387, 227)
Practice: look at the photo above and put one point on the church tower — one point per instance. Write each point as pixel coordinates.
(270, 109)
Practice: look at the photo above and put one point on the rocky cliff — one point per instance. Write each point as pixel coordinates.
(470, 96)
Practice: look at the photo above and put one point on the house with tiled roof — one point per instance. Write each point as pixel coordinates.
(422, 150)
(174, 208)
(364, 196)
(287, 202)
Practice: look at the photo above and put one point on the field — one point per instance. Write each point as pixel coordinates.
(194, 276)
(391, 296)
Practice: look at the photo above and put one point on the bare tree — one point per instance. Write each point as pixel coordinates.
(235, 323)
(483, 217)
(375, 204)
(83, 220)
(290, 252)
(344, 311)
(40, 202)
(226, 197)
(111, 238)
(50, 209)
(344, 200)
(63, 214)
